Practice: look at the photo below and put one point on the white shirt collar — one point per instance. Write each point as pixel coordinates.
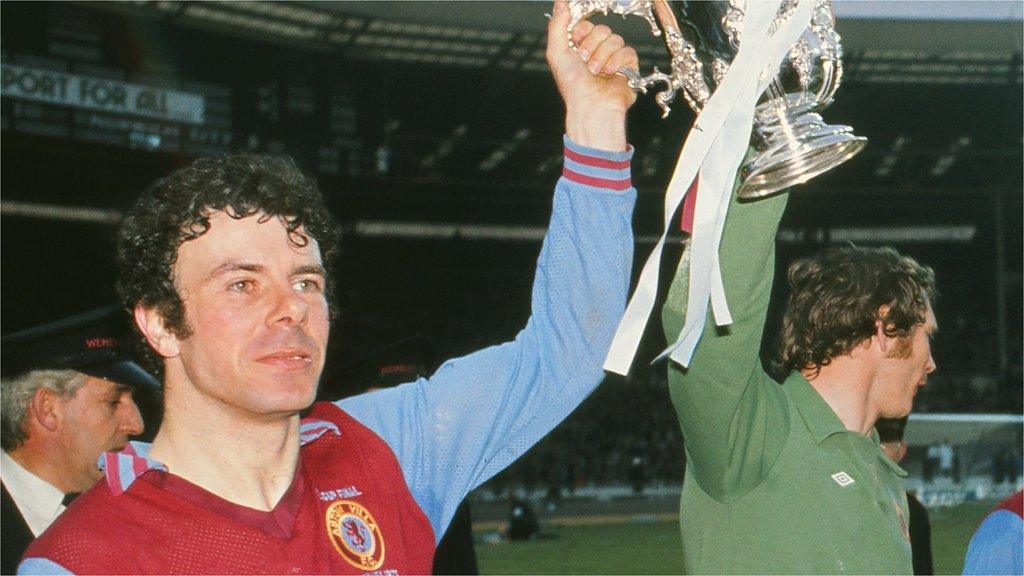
(39, 501)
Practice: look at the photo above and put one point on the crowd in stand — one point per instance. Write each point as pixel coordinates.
(624, 434)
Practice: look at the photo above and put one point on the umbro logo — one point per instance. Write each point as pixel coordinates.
(842, 478)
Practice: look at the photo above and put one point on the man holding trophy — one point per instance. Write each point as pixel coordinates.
(790, 478)
(226, 265)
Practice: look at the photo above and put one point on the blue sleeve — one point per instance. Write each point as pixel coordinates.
(998, 545)
(478, 413)
(41, 566)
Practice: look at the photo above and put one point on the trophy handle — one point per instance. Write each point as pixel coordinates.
(642, 83)
(580, 9)
(823, 26)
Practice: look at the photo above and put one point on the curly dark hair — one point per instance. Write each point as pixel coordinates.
(836, 296)
(177, 208)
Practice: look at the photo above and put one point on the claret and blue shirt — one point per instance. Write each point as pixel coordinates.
(380, 475)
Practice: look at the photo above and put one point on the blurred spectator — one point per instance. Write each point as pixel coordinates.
(637, 465)
(945, 456)
(522, 522)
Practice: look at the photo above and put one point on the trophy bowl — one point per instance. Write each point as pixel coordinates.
(792, 141)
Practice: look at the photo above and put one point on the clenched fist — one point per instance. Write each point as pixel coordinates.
(596, 97)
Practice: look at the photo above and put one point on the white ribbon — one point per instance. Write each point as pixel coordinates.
(714, 147)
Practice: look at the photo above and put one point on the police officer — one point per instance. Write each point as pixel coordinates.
(67, 399)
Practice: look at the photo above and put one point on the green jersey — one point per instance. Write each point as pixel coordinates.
(774, 482)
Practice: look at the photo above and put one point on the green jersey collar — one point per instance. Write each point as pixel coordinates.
(820, 419)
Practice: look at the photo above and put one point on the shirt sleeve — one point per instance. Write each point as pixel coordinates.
(478, 413)
(998, 545)
(732, 414)
(41, 566)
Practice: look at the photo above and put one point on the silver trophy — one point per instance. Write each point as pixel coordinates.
(793, 143)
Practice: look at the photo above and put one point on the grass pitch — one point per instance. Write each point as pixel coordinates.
(654, 548)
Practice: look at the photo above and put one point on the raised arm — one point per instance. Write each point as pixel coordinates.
(478, 413)
(731, 413)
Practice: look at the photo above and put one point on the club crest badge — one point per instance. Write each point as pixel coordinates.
(355, 534)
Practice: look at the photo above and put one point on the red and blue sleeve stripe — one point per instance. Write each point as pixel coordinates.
(597, 168)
